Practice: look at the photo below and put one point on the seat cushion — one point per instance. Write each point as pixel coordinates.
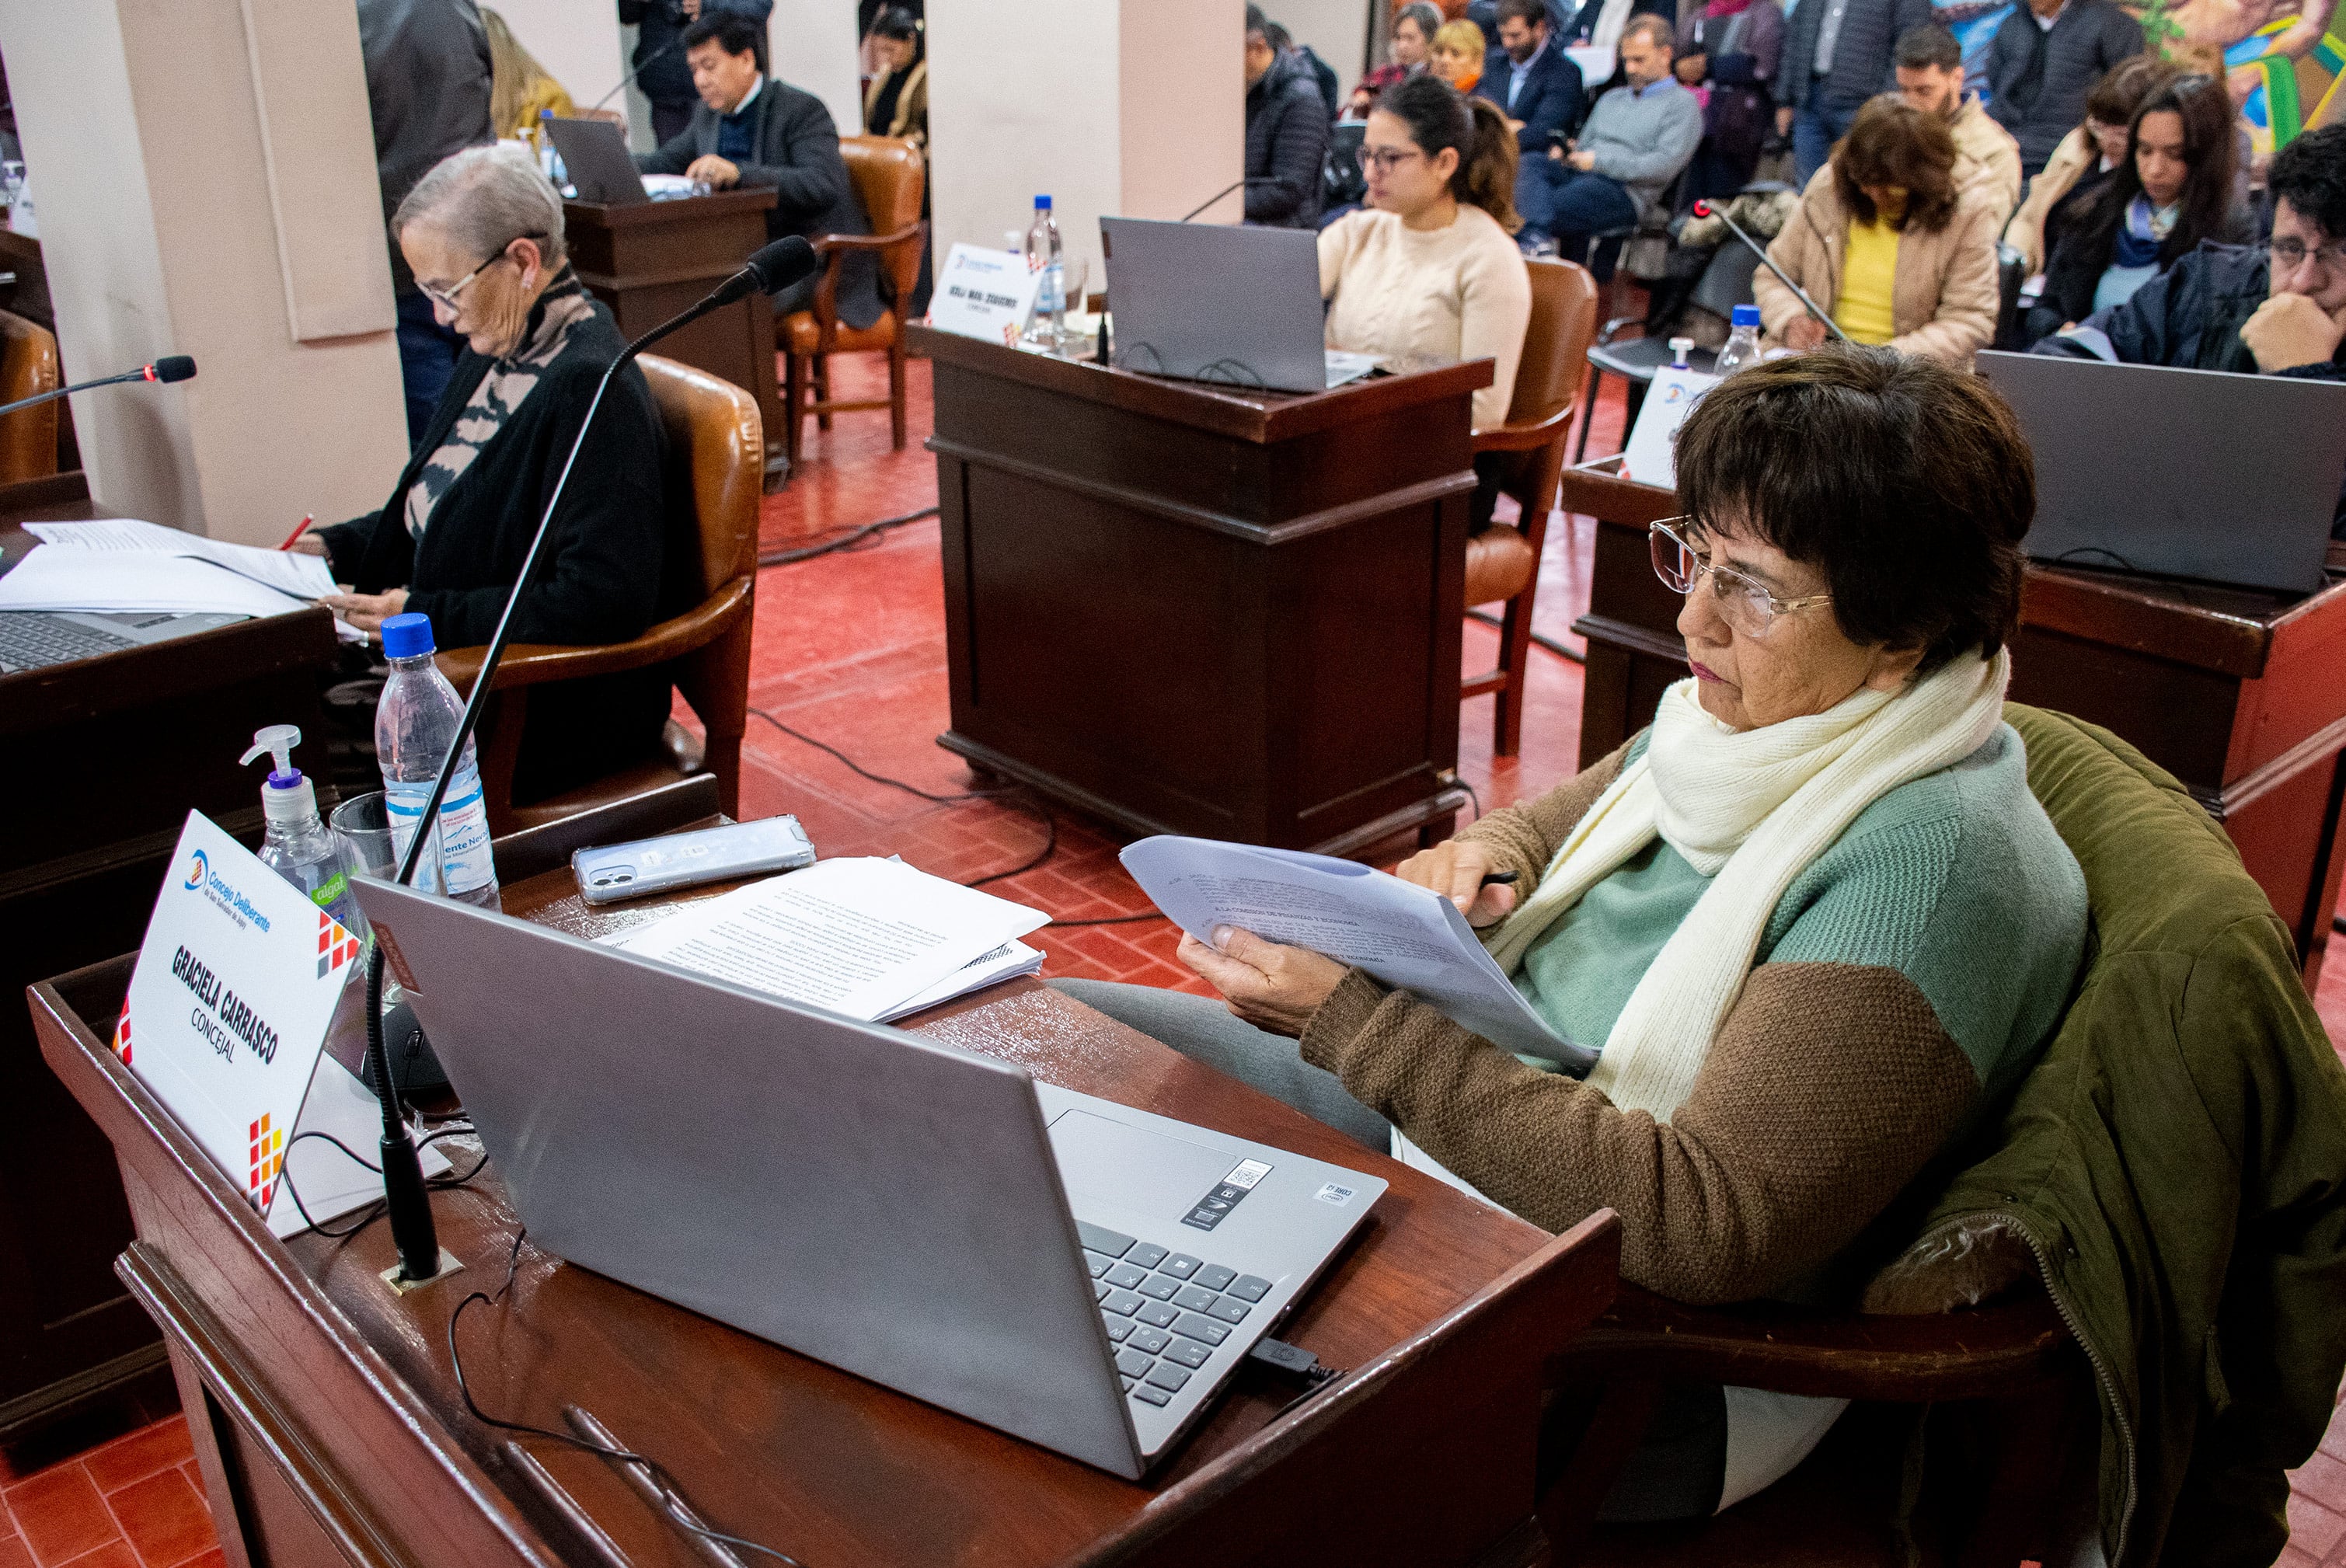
(799, 335)
(1499, 565)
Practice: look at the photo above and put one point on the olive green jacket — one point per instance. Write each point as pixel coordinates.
(2176, 1163)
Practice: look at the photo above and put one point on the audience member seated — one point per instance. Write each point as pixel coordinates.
(1414, 26)
(2043, 61)
(1836, 57)
(1638, 139)
(661, 74)
(1427, 272)
(2172, 190)
(1813, 915)
(1457, 54)
(1323, 75)
(896, 100)
(1537, 85)
(2085, 159)
(2277, 309)
(752, 129)
(1730, 48)
(1886, 246)
(1286, 132)
(1930, 78)
(484, 235)
(1598, 23)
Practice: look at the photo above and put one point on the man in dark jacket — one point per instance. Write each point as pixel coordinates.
(1286, 132)
(1529, 76)
(2249, 309)
(2043, 60)
(661, 74)
(1837, 55)
(750, 129)
(427, 72)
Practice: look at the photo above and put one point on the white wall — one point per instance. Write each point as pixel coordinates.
(1134, 110)
(577, 40)
(1336, 30)
(144, 130)
(811, 44)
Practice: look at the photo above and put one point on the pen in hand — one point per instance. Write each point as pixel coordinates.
(1500, 878)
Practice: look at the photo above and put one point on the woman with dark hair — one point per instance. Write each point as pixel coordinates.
(1414, 26)
(1812, 917)
(2173, 190)
(896, 103)
(1428, 270)
(2085, 159)
(1886, 244)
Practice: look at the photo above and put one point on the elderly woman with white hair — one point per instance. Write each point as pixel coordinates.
(482, 232)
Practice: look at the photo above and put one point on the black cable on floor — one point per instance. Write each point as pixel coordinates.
(1550, 644)
(852, 537)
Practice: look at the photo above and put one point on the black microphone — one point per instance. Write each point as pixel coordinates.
(663, 52)
(170, 368)
(412, 1230)
(1712, 210)
(1237, 185)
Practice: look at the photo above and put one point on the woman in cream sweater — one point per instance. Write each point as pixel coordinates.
(1427, 272)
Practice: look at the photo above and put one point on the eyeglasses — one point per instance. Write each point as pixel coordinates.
(1743, 602)
(446, 298)
(1384, 160)
(2289, 253)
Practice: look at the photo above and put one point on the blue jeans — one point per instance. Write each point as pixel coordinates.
(427, 357)
(1816, 126)
(1570, 206)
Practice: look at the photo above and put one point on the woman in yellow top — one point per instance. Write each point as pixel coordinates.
(1886, 246)
(1457, 54)
(520, 89)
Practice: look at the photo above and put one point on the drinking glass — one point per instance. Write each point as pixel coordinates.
(1074, 278)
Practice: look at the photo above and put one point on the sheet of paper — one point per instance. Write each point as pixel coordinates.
(50, 578)
(1004, 962)
(302, 577)
(859, 937)
(1408, 937)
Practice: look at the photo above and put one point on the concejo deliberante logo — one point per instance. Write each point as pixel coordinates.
(336, 946)
(199, 869)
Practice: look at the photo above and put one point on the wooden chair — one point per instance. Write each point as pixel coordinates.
(714, 424)
(28, 366)
(889, 177)
(1502, 563)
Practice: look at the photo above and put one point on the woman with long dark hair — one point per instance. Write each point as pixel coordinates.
(2173, 190)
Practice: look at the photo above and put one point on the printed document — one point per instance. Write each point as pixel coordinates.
(1405, 936)
(50, 578)
(304, 577)
(860, 937)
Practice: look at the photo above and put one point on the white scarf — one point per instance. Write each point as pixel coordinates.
(1750, 810)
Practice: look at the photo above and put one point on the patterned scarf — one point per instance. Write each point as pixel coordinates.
(507, 383)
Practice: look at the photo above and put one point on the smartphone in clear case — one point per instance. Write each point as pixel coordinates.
(614, 871)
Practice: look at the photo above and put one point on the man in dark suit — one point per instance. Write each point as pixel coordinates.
(1528, 74)
(752, 129)
(1837, 55)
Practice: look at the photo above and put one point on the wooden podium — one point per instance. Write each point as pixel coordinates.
(2241, 694)
(648, 261)
(1198, 609)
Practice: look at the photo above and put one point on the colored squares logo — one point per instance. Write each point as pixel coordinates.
(336, 946)
(264, 1154)
(122, 1035)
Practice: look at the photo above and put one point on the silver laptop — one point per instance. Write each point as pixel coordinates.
(2179, 474)
(1081, 1274)
(1211, 302)
(35, 639)
(594, 155)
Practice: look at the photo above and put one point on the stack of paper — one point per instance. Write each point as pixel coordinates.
(119, 564)
(866, 939)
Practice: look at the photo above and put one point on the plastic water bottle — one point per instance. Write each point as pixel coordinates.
(1742, 340)
(549, 157)
(298, 845)
(414, 724)
(1042, 256)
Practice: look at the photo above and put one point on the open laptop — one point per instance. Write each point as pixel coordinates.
(1076, 1273)
(35, 639)
(1214, 302)
(2190, 474)
(595, 154)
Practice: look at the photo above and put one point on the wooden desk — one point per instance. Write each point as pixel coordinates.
(329, 1429)
(2241, 695)
(1193, 609)
(105, 757)
(648, 261)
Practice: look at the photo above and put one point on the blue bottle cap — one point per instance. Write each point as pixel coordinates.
(1042, 204)
(404, 636)
(1746, 315)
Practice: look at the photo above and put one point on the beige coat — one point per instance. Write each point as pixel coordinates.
(1986, 157)
(1944, 300)
(2068, 163)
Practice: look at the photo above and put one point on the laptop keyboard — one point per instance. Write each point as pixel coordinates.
(1165, 1311)
(31, 641)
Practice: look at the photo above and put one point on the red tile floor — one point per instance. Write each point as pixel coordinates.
(851, 651)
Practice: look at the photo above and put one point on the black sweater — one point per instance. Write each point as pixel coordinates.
(618, 559)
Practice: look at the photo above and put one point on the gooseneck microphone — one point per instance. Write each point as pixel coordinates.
(663, 52)
(1253, 179)
(771, 269)
(169, 368)
(1712, 210)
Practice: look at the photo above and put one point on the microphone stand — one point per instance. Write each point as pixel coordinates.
(1712, 210)
(143, 373)
(662, 52)
(412, 1230)
(1239, 185)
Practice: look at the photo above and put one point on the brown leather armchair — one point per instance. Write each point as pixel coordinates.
(28, 366)
(891, 178)
(707, 648)
(1503, 562)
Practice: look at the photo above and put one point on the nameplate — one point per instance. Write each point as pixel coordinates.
(983, 293)
(1650, 458)
(226, 1024)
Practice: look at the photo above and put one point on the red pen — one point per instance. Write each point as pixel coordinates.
(307, 518)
